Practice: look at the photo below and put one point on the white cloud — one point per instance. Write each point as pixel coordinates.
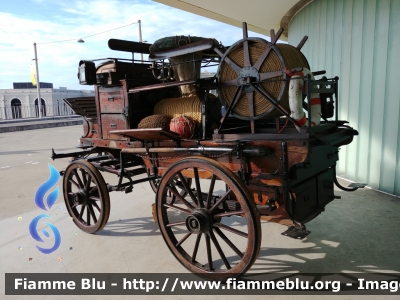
(58, 62)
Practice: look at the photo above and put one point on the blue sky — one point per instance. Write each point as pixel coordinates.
(24, 22)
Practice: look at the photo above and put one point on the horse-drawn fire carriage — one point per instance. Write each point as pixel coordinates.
(216, 163)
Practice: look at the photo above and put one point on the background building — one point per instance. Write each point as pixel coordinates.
(22, 101)
(357, 40)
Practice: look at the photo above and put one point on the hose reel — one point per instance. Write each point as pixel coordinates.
(252, 74)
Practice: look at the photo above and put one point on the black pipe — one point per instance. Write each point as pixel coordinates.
(73, 154)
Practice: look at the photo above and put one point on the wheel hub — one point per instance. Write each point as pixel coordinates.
(80, 197)
(199, 221)
(247, 75)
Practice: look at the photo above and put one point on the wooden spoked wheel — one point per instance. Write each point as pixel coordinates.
(86, 196)
(251, 60)
(215, 230)
(251, 76)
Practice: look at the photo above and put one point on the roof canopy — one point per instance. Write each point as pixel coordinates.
(261, 15)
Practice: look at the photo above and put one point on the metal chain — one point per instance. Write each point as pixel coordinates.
(162, 158)
(182, 155)
(220, 155)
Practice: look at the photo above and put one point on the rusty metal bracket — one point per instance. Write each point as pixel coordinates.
(125, 112)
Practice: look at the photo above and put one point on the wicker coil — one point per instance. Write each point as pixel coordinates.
(183, 69)
(292, 58)
(155, 121)
(172, 42)
(175, 107)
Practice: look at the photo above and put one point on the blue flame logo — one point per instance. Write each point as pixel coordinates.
(39, 201)
(45, 187)
(35, 234)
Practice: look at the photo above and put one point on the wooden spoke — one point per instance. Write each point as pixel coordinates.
(177, 208)
(87, 215)
(229, 62)
(233, 82)
(198, 188)
(275, 36)
(244, 29)
(78, 179)
(246, 54)
(90, 207)
(223, 198)
(187, 188)
(176, 224)
(238, 94)
(272, 34)
(96, 206)
(183, 239)
(228, 214)
(177, 195)
(74, 182)
(87, 184)
(246, 51)
(210, 191)
(196, 247)
(85, 180)
(233, 230)
(302, 42)
(209, 255)
(230, 244)
(269, 75)
(250, 99)
(262, 58)
(221, 253)
(92, 190)
(269, 98)
(173, 199)
(265, 94)
(81, 213)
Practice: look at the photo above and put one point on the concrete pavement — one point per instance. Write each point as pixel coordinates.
(359, 233)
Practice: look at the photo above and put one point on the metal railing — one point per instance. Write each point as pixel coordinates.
(32, 111)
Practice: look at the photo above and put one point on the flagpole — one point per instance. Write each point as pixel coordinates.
(38, 83)
(140, 38)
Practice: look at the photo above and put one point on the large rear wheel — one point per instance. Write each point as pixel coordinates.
(215, 230)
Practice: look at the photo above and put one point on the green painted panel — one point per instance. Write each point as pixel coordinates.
(322, 35)
(359, 41)
(378, 91)
(353, 115)
(345, 42)
(329, 17)
(316, 30)
(336, 45)
(392, 103)
(364, 121)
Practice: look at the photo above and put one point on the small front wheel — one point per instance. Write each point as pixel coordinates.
(86, 196)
